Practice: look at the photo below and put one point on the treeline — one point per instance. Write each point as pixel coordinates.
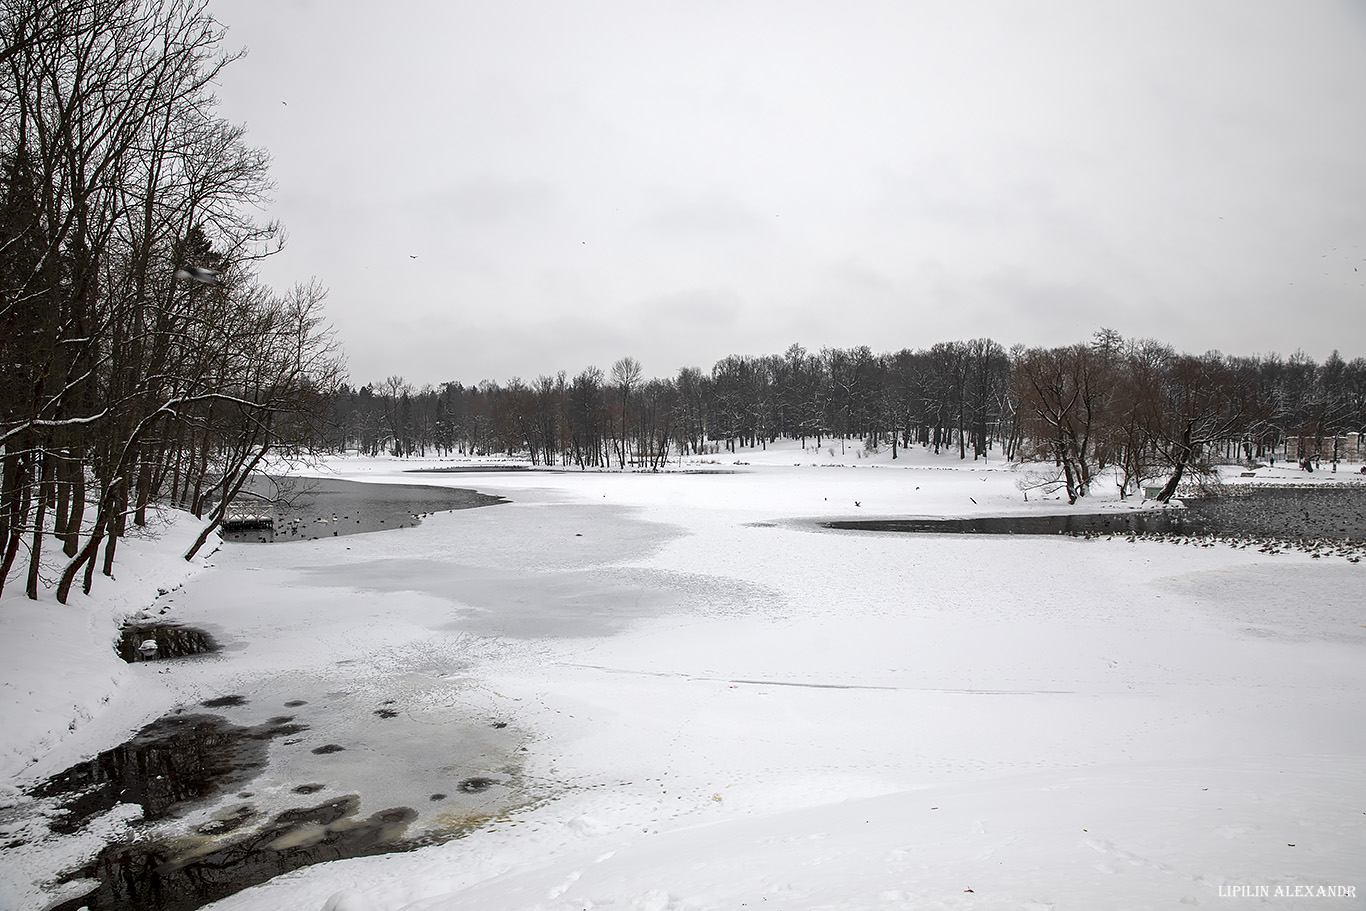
(1137, 406)
(141, 360)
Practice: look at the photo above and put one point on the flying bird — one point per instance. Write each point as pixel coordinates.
(200, 274)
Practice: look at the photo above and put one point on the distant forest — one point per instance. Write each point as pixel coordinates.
(1139, 407)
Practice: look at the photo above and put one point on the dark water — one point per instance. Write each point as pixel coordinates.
(185, 761)
(307, 509)
(173, 762)
(1321, 513)
(1336, 513)
(1080, 523)
(163, 876)
(172, 640)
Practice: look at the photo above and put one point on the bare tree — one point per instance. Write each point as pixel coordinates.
(626, 376)
(123, 381)
(1200, 401)
(1055, 387)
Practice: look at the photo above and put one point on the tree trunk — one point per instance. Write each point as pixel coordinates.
(89, 579)
(1064, 458)
(72, 539)
(61, 470)
(86, 556)
(1169, 489)
(8, 502)
(144, 490)
(118, 521)
(16, 513)
(45, 474)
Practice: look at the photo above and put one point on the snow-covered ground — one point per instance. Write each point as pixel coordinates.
(723, 705)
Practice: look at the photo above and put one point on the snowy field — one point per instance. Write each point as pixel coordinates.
(706, 701)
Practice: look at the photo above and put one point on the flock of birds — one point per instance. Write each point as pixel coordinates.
(1318, 522)
(299, 527)
(1317, 548)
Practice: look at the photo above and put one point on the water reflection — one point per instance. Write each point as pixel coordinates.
(170, 763)
(1329, 513)
(206, 833)
(1173, 521)
(153, 641)
(308, 508)
(186, 873)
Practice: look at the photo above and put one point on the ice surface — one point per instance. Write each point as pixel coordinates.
(723, 705)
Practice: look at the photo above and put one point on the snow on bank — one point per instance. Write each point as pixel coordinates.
(65, 694)
(729, 707)
(59, 672)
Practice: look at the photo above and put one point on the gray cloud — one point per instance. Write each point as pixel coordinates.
(709, 217)
(707, 309)
(491, 200)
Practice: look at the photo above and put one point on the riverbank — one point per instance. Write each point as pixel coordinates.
(60, 671)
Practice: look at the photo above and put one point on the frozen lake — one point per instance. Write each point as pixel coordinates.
(679, 691)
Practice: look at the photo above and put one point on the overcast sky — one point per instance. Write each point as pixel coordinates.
(501, 189)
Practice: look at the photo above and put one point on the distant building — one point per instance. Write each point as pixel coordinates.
(1348, 448)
